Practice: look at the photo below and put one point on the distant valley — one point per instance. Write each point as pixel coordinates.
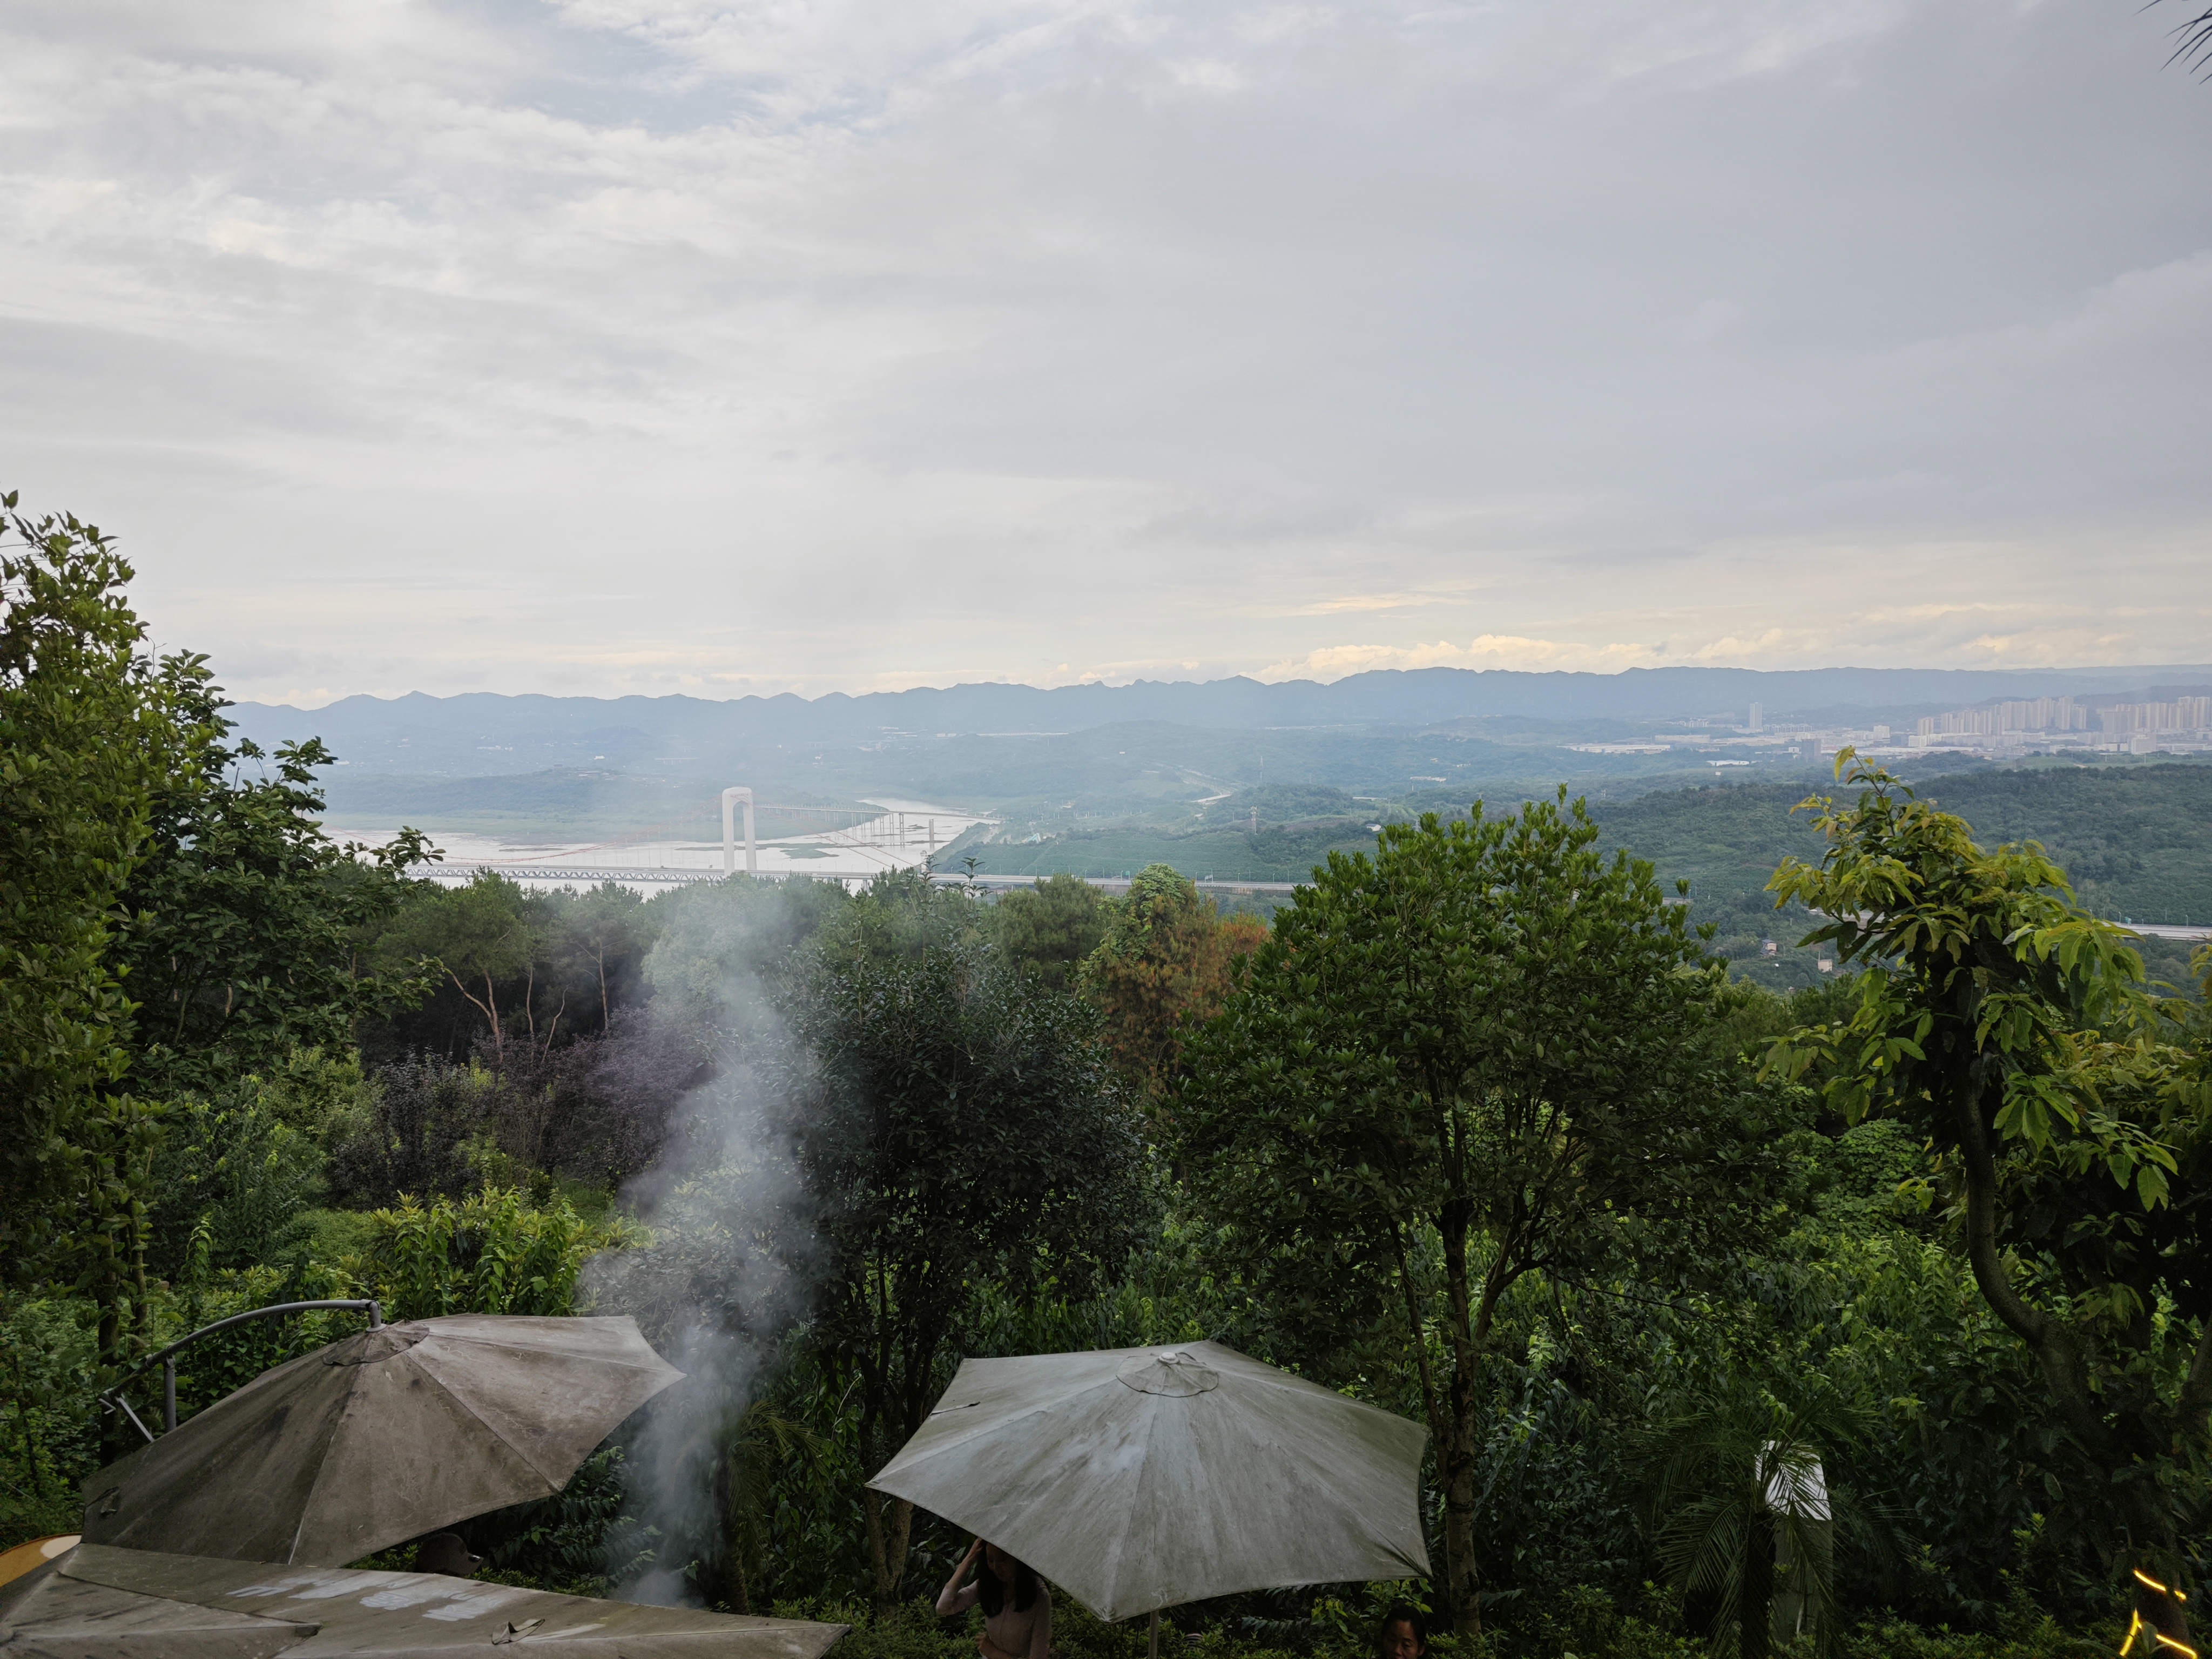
(1241, 781)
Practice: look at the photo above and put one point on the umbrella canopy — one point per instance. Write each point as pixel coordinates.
(380, 1438)
(1138, 1478)
(101, 1603)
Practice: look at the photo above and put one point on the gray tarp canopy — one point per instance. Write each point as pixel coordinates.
(380, 1438)
(103, 1603)
(1138, 1478)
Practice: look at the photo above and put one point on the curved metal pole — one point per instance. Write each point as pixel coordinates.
(167, 1355)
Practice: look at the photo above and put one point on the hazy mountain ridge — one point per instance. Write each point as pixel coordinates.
(493, 731)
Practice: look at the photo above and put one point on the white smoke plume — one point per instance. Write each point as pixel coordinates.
(734, 1239)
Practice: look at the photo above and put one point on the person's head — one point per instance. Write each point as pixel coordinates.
(997, 1575)
(1403, 1633)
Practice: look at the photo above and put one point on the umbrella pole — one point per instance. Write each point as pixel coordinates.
(1156, 1633)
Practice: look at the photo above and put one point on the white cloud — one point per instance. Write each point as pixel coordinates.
(656, 344)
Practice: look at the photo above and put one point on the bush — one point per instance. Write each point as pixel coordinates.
(232, 1182)
(490, 1253)
(1581, 1622)
(410, 1133)
(594, 1112)
(558, 1543)
(1897, 1640)
(226, 1361)
(47, 1446)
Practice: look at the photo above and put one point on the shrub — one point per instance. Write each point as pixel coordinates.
(233, 1183)
(411, 1133)
(489, 1253)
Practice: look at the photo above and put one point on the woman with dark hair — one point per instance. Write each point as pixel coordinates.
(1017, 1607)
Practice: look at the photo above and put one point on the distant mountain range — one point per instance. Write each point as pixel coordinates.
(490, 732)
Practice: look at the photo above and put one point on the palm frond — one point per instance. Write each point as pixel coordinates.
(1734, 1472)
(2193, 43)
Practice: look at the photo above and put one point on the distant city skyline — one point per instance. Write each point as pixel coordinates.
(653, 346)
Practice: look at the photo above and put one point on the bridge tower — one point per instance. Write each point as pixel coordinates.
(731, 797)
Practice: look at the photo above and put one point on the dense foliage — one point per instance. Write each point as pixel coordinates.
(2069, 1124)
(1478, 1131)
(1162, 963)
(1468, 1061)
(87, 730)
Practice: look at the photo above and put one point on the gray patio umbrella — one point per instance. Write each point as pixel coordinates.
(105, 1603)
(1138, 1478)
(378, 1438)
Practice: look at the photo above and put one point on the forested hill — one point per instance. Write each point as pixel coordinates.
(2137, 841)
(2135, 838)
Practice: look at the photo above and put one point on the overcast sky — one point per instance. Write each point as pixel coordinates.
(748, 346)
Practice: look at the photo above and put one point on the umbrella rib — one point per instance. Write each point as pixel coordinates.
(521, 1347)
(530, 1462)
(322, 1468)
(952, 1442)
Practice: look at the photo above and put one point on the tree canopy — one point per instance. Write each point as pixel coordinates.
(955, 1126)
(1164, 959)
(88, 729)
(1477, 1132)
(1466, 1060)
(2068, 1118)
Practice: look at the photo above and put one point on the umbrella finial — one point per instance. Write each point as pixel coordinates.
(1168, 1370)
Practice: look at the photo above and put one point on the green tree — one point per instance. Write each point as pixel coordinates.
(1483, 1047)
(88, 727)
(954, 1125)
(721, 948)
(607, 928)
(2069, 1135)
(1167, 958)
(483, 935)
(233, 1177)
(249, 928)
(1051, 926)
(902, 917)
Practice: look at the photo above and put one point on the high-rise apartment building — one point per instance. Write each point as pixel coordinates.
(2182, 714)
(2064, 714)
(2024, 714)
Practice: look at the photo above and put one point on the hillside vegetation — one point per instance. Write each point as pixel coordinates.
(2136, 839)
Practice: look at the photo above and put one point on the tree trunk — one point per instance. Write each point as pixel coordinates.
(1755, 1610)
(141, 1303)
(2158, 1610)
(1462, 1578)
(2053, 1346)
(488, 1006)
(115, 1436)
(887, 1543)
(741, 1596)
(1440, 1425)
(2057, 1354)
